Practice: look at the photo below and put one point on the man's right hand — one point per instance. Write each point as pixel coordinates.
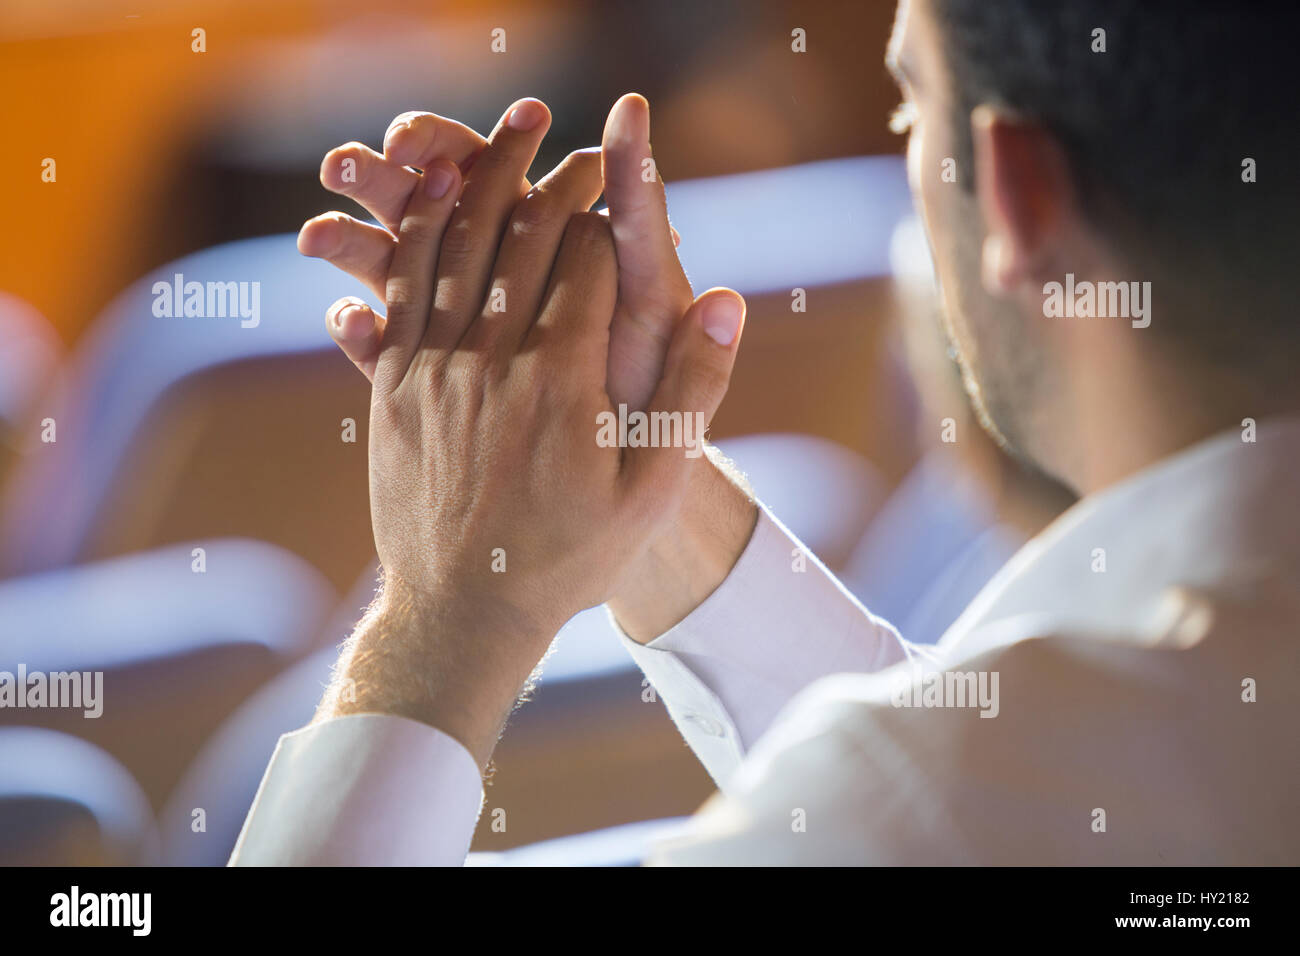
(704, 540)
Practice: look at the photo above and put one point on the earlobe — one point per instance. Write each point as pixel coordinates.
(998, 200)
(996, 270)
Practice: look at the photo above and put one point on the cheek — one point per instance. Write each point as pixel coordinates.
(940, 206)
(923, 179)
(918, 164)
(925, 161)
(928, 196)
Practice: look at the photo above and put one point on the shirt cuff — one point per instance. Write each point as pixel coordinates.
(779, 621)
(364, 790)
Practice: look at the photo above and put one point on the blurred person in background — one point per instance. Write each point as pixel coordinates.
(1116, 655)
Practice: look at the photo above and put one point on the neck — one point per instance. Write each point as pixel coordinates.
(1139, 412)
(1022, 497)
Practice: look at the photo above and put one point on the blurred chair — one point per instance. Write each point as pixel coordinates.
(28, 363)
(178, 649)
(222, 780)
(65, 802)
(173, 429)
(807, 226)
(28, 359)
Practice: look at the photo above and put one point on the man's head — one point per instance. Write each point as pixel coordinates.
(1104, 140)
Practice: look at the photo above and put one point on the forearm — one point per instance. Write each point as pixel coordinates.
(688, 562)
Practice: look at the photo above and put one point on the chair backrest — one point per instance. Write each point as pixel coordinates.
(775, 230)
(172, 427)
(163, 604)
(51, 784)
(175, 649)
(29, 361)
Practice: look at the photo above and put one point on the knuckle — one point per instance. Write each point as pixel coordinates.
(532, 215)
(336, 157)
(388, 413)
(637, 223)
(330, 222)
(460, 244)
(338, 227)
(400, 296)
(703, 379)
(590, 231)
(618, 175)
(495, 160)
(407, 122)
(587, 157)
(493, 369)
(413, 136)
(580, 170)
(412, 118)
(580, 162)
(637, 201)
(420, 229)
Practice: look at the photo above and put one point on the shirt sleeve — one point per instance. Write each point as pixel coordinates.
(363, 790)
(777, 623)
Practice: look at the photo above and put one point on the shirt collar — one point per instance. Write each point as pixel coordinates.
(1190, 520)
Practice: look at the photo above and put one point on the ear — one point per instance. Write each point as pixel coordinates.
(1026, 193)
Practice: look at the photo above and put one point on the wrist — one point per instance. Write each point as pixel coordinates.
(694, 554)
(458, 666)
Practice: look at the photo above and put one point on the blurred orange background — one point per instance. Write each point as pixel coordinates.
(161, 150)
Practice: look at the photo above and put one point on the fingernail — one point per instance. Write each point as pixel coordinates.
(353, 322)
(392, 133)
(722, 318)
(525, 116)
(437, 180)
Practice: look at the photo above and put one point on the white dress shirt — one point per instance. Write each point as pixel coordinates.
(1141, 655)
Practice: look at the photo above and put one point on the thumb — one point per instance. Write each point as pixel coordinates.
(696, 375)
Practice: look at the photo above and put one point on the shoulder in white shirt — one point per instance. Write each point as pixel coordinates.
(1144, 715)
